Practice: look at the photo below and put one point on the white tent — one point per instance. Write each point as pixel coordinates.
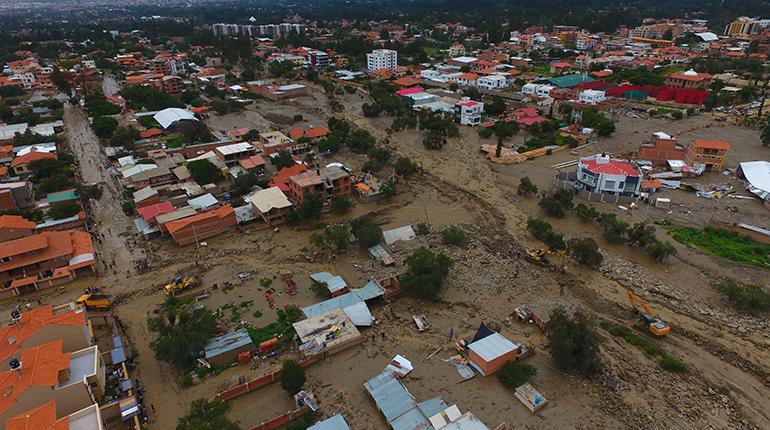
(168, 116)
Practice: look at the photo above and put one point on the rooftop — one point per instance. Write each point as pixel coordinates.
(269, 199)
(13, 336)
(711, 144)
(609, 167)
(227, 342)
(492, 346)
(235, 148)
(40, 366)
(16, 221)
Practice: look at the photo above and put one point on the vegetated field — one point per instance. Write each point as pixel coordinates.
(723, 243)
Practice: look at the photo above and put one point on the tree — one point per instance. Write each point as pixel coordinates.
(124, 136)
(586, 252)
(371, 110)
(586, 213)
(574, 342)
(61, 210)
(245, 183)
(334, 237)
(641, 234)
(203, 171)
(765, 133)
(434, 140)
(360, 141)
(486, 132)
(405, 167)
(366, 231)
(181, 332)
(454, 236)
(283, 159)
(104, 126)
(207, 415)
(388, 189)
(660, 251)
(613, 229)
(557, 203)
(599, 122)
(425, 273)
(292, 377)
(555, 242)
(310, 207)
(526, 187)
(539, 228)
(341, 205)
(514, 374)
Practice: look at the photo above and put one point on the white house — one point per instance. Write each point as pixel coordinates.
(591, 97)
(539, 90)
(492, 82)
(469, 111)
(600, 174)
(467, 79)
(381, 59)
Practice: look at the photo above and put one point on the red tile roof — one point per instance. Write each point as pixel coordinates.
(283, 175)
(252, 162)
(13, 337)
(711, 144)
(221, 212)
(32, 156)
(611, 168)
(148, 213)
(150, 132)
(40, 367)
(315, 132)
(40, 418)
(16, 221)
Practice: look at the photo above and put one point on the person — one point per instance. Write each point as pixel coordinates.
(451, 333)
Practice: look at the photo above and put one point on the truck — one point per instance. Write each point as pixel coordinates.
(98, 302)
(180, 284)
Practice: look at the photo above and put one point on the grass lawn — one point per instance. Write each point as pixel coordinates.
(430, 51)
(723, 243)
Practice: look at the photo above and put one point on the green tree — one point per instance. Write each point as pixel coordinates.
(641, 234)
(514, 374)
(574, 342)
(539, 228)
(62, 210)
(341, 205)
(586, 213)
(454, 236)
(245, 183)
(557, 203)
(124, 136)
(284, 159)
(660, 251)
(434, 140)
(405, 167)
(104, 126)
(203, 171)
(366, 231)
(586, 252)
(181, 331)
(613, 229)
(526, 187)
(292, 377)
(360, 141)
(334, 237)
(765, 132)
(425, 273)
(388, 189)
(310, 207)
(207, 415)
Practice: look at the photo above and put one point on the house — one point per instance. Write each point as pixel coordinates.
(45, 418)
(560, 68)
(281, 179)
(467, 79)
(591, 97)
(688, 79)
(271, 204)
(335, 422)
(146, 196)
(233, 153)
(336, 285)
(222, 350)
(172, 84)
(600, 174)
(492, 82)
(167, 117)
(45, 374)
(538, 90)
(712, 153)
(43, 325)
(469, 111)
(462, 61)
(327, 333)
(194, 228)
(150, 212)
(274, 141)
(21, 164)
(15, 227)
(254, 164)
(16, 195)
(489, 351)
(44, 259)
(660, 149)
(328, 182)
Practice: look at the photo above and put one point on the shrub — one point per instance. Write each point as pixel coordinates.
(613, 229)
(425, 273)
(454, 236)
(298, 117)
(341, 205)
(660, 251)
(574, 342)
(672, 364)
(128, 208)
(61, 210)
(515, 374)
(526, 187)
(366, 231)
(750, 298)
(422, 229)
(586, 213)
(292, 377)
(539, 228)
(557, 203)
(586, 251)
(334, 237)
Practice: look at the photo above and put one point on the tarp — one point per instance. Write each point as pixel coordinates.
(169, 116)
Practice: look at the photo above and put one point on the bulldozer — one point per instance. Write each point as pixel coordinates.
(540, 256)
(94, 302)
(180, 284)
(647, 317)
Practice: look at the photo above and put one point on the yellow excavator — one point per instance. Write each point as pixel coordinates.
(180, 284)
(647, 317)
(538, 255)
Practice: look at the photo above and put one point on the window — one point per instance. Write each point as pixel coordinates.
(609, 184)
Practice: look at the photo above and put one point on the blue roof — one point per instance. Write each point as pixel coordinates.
(350, 303)
(336, 422)
(118, 355)
(398, 406)
(227, 342)
(333, 283)
(369, 291)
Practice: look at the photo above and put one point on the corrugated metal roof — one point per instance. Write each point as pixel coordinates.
(404, 233)
(391, 397)
(336, 422)
(371, 290)
(168, 116)
(333, 282)
(203, 202)
(228, 342)
(757, 173)
(492, 346)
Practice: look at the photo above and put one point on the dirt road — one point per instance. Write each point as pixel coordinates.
(110, 85)
(112, 228)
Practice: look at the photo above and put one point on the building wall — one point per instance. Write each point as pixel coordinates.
(662, 150)
(713, 158)
(204, 229)
(489, 367)
(227, 357)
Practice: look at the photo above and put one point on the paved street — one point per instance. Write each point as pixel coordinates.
(114, 229)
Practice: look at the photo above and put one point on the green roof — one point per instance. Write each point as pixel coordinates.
(568, 81)
(62, 196)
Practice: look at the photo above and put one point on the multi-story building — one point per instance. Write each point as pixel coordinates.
(600, 174)
(225, 29)
(469, 111)
(195, 228)
(381, 59)
(172, 84)
(318, 60)
(712, 153)
(233, 153)
(45, 417)
(591, 97)
(744, 26)
(329, 183)
(456, 50)
(661, 148)
(492, 82)
(688, 79)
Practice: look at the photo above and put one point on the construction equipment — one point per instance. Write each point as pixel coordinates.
(180, 284)
(269, 298)
(647, 317)
(539, 255)
(98, 302)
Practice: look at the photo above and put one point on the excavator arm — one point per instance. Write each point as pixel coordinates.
(633, 298)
